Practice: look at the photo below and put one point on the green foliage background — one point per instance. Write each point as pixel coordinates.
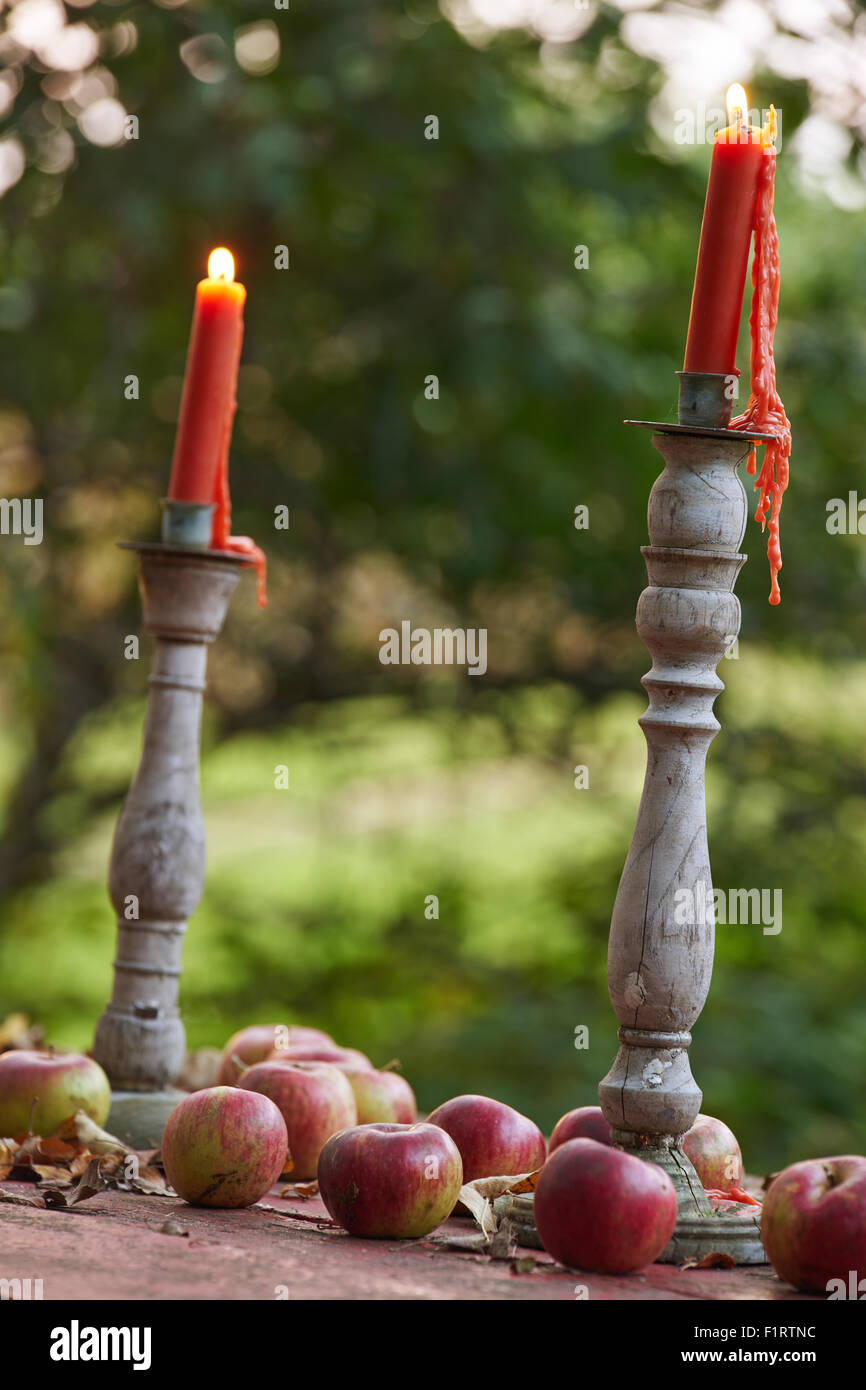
(411, 257)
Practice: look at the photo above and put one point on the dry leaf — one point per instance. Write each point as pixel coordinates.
(86, 1131)
(714, 1259)
(526, 1184)
(51, 1173)
(479, 1195)
(151, 1183)
(499, 1245)
(498, 1186)
(8, 1150)
(47, 1159)
(119, 1172)
(324, 1222)
(88, 1185)
(476, 1244)
(503, 1246)
(301, 1190)
(35, 1149)
(16, 1031)
(480, 1207)
(15, 1200)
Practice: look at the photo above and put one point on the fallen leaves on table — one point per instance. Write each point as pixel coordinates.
(81, 1129)
(70, 1195)
(48, 1160)
(500, 1244)
(78, 1161)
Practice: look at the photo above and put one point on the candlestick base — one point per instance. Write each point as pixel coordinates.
(698, 1233)
(138, 1117)
(701, 1229)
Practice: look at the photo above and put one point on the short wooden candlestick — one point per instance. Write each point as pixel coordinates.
(660, 955)
(156, 874)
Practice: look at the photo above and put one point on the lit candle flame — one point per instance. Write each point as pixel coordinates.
(221, 264)
(737, 103)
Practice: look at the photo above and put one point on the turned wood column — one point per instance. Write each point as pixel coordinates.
(156, 874)
(659, 966)
(660, 953)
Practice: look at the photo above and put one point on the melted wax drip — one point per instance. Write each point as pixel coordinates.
(734, 1194)
(765, 412)
(222, 517)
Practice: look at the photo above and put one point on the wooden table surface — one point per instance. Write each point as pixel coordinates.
(111, 1247)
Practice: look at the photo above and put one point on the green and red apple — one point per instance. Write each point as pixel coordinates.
(224, 1147)
(714, 1153)
(380, 1095)
(39, 1090)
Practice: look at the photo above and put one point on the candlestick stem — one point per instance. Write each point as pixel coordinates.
(156, 874)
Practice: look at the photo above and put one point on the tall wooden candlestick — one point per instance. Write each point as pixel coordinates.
(659, 966)
(156, 874)
(660, 956)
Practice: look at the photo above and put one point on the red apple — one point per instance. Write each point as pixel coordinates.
(395, 1181)
(814, 1223)
(255, 1043)
(59, 1082)
(599, 1209)
(224, 1147)
(715, 1153)
(586, 1122)
(405, 1104)
(377, 1097)
(315, 1100)
(320, 1052)
(493, 1139)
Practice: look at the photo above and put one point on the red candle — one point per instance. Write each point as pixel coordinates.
(208, 403)
(726, 233)
(200, 466)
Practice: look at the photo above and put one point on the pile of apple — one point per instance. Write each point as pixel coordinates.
(292, 1099)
